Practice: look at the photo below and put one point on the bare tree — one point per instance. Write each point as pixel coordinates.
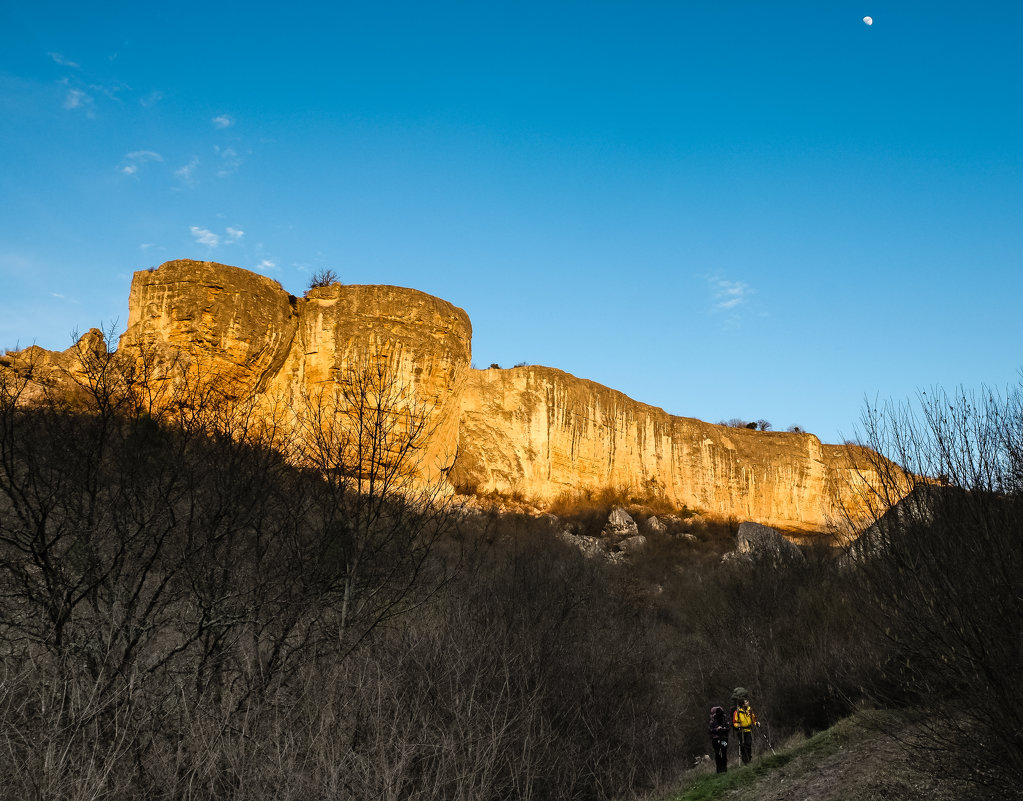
(173, 577)
(323, 278)
(942, 573)
(366, 436)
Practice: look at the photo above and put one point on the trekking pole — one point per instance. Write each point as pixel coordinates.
(764, 735)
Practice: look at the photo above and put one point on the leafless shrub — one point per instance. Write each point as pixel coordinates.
(324, 278)
(172, 587)
(940, 569)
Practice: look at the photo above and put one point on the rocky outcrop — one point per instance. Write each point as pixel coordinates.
(291, 352)
(234, 324)
(620, 525)
(535, 432)
(758, 543)
(543, 433)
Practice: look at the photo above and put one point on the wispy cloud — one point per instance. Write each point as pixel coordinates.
(230, 161)
(132, 161)
(186, 174)
(64, 62)
(76, 98)
(223, 121)
(211, 239)
(83, 92)
(266, 264)
(204, 236)
(144, 155)
(151, 99)
(109, 91)
(729, 295)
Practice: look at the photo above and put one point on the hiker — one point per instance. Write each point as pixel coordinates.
(743, 721)
(718, 730)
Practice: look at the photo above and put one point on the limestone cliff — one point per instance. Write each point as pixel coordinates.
(535, 431)
(236, 324)
(541, 433)
(261, 341)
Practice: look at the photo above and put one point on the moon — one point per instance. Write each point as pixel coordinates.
(868, 20)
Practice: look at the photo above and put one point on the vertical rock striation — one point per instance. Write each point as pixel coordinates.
(536, 431)
(261, 342)
(543, 433)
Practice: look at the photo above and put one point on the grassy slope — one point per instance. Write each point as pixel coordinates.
(852, 761)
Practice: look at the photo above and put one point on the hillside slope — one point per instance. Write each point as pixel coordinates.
(855, 760)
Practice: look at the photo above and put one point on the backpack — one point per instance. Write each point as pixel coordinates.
(718, 726)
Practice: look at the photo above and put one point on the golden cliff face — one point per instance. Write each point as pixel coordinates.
(542, 433)
(535, 431)
(235, 324)
(290, 352)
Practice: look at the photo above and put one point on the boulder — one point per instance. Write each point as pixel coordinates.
(759, 542)
(656, 525)
(588, 546)
(620, 525)
(632, 544)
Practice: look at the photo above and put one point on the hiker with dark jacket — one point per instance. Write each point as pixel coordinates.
(743, 721)
(718, 730)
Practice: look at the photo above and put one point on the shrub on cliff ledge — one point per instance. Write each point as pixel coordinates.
(324, 278)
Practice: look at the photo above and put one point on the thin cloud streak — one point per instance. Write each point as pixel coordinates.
(64, 62)
(204, 236)
(730, 294)
(230, 161)
(137, 158)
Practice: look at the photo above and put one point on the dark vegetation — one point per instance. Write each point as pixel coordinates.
(194, 606)
(754, 425)
(942, 580)
(323, 278)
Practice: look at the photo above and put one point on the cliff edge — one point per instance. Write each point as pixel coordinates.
(543, 433)
(534, 431)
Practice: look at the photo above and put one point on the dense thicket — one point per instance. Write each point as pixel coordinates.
(184, 613)
(942, 579)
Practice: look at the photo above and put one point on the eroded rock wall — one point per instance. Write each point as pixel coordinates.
(543, 433)
(536, 431)
(418, 345)
(291, 353)
(234, 324)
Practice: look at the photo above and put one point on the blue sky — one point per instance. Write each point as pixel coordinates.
(726, 209)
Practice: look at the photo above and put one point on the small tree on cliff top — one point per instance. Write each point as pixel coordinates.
(324, 278)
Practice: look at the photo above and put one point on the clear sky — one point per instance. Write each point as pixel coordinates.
(726, 209)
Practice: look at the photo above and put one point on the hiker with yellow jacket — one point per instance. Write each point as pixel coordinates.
(743, 721)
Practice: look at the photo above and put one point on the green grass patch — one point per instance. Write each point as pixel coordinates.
(715, 785)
